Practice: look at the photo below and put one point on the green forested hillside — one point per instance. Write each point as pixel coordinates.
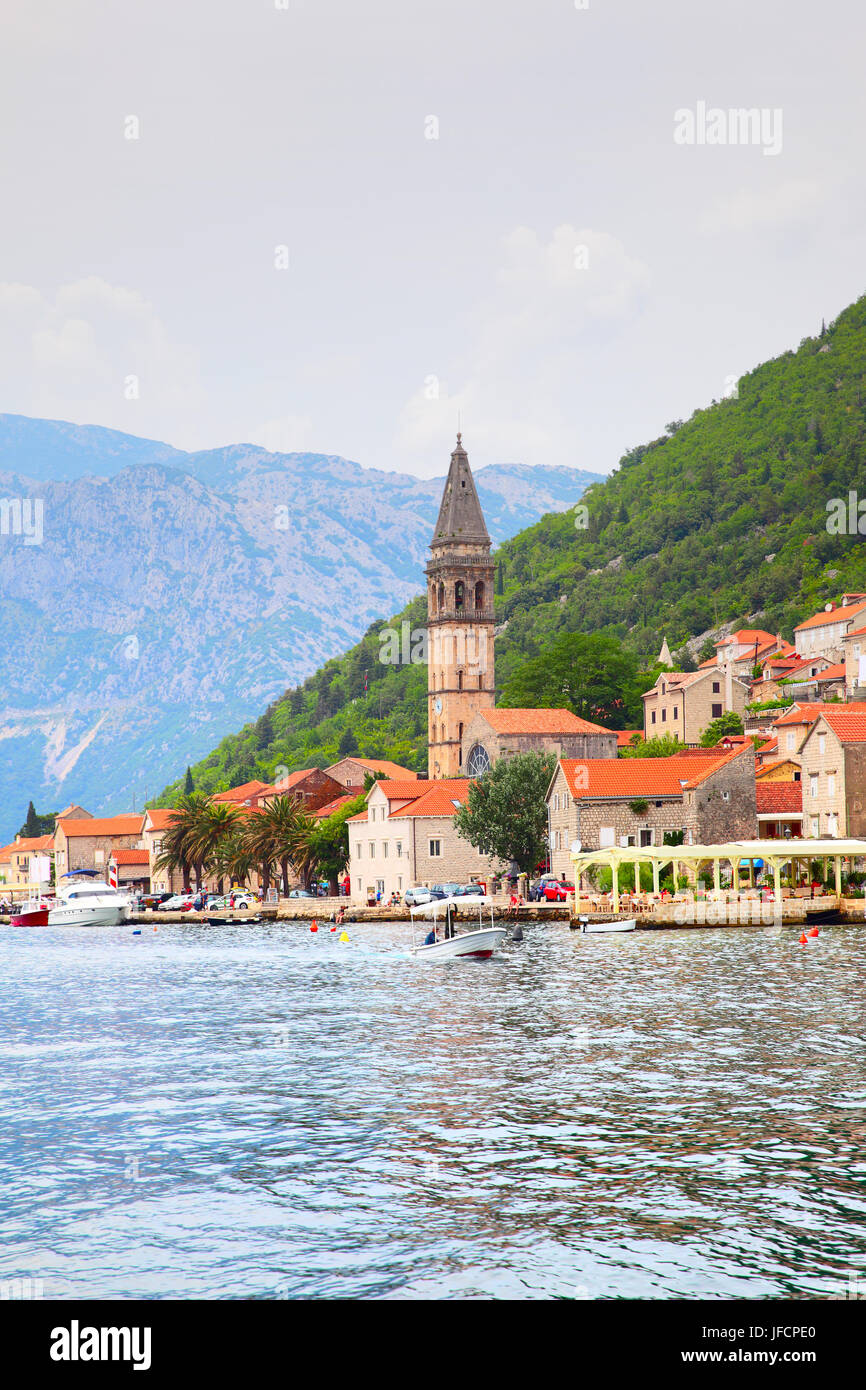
(724, 518)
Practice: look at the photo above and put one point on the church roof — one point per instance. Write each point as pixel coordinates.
(460, 515)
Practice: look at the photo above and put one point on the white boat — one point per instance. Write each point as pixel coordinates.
(584, 925)
(479, 942)
(87, 901)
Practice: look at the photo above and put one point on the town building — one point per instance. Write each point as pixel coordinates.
(26, 861)
(88, 843)
(854, 644)
(460, 573)
(312, 786)
(824, 633)
(351, 772)
(704, 797)
(682, 703)
(833, 761)
(497, 733)
(779, 809)
(406, 836)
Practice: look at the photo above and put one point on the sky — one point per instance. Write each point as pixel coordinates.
(337, 226)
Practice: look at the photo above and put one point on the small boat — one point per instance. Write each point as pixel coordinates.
(584, 925)
(30, 914)
(88, 901)
(823, 914)
(478, 943)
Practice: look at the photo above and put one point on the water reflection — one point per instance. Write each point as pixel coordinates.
(267, 1113)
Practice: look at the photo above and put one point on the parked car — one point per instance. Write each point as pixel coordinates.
(556, 892)
(243, 900)
(468, 890)
(414, 897)
(536, 889)
(153, 900)
(178, 902)
(444, 890)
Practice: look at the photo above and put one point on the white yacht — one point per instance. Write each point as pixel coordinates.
(87, 901)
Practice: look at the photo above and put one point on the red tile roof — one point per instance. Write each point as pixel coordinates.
(836, 615)
(393, 770)
(779, 798)
(769, 747)
(404, 791)
(130, 856)
(808, 713)
(849, 725)
(322, 812)
(439, 799)
(539, 721)
(855, 632)
(631, 778)
(245, 791)
(625, 736)
(108, 825)
(831, 673)
(34, 843)
(161, 817)
(748, 636)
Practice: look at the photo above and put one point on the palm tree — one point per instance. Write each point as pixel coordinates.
(232, 859)
(281, 834)
(177, 854)
(214, 823)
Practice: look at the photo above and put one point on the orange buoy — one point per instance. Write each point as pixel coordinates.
(814, 932)
(313, 927)
(333, 928)
(804, 940)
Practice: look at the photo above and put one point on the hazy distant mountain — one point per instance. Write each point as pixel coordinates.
(175, 594)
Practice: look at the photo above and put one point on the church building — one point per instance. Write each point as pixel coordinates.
(466, 733)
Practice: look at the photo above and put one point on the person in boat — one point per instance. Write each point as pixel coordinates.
(430, 938)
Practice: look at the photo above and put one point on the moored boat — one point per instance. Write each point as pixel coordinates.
(30, 914)
(584, 925)
(88, 901)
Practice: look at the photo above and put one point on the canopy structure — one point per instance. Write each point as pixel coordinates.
(774, 854)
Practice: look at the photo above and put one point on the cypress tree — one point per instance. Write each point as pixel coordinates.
(189, 784)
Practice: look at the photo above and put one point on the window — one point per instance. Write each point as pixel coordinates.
(459, 593)
(815, 831)
(478, 761)
(459, 680)
(359, 850)
(717, 687)
(384, 849)
(676, 711)
(480, 682)
(99, 856)
(646, 838)
(822, 745)
(399, 883)
(790, 742)
(653, 717)
(606, 837)
(399, 849)
(435, 849)
(717, 711)
(813, 785)
(726, 796)
(831, 784)
(664, 716)
(479, 594)
(372, 850)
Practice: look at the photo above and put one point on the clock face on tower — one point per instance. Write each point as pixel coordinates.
(437, 705)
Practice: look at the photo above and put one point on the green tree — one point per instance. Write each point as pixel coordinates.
(329, 842)
(505, 812)
(592, 675)
(662, 746)
(728, 723)
(348, 743)
(188, 783)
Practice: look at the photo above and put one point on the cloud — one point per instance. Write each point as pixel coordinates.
(528, 342)
(780, 206)
(71, 356)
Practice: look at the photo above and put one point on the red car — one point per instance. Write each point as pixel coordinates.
(557, 892)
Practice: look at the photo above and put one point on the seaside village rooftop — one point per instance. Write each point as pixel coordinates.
(783, 791)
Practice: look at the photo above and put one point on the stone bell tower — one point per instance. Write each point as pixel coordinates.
(459, 619)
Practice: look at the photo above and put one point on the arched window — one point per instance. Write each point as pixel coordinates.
(478, 761)
(480, 681)
(479, 594)
(432, 598)
(458, 594)
(441, 603)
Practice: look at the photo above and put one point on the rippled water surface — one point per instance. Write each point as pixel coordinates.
(264, 1112)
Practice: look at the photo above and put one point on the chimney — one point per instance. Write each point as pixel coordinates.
(828, 607)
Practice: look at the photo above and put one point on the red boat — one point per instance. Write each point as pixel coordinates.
(32, 914)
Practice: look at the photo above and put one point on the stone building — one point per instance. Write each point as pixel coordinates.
(351, 772)
(682, 703)
(709, 797)
(89, 843)
(497, 733)
(833, 761)
(824, 633)
(459, 619)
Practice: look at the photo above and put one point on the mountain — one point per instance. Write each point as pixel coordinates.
(725, 518)
(175, 594)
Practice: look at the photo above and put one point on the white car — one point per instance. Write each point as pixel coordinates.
(175, 904)
(242, 901)
(414, 897)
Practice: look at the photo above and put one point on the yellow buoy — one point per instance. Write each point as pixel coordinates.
(343, 937)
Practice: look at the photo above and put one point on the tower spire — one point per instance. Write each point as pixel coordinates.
(460, 514)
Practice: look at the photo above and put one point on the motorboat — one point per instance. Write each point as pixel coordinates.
(88, 901)
(479, 942)
(33, 913)
(585, 926)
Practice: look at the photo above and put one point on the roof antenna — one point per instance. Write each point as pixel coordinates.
(459, 435)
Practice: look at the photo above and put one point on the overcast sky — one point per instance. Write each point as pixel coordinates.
(554, 264)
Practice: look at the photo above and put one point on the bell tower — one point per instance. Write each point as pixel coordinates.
(460, 678)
